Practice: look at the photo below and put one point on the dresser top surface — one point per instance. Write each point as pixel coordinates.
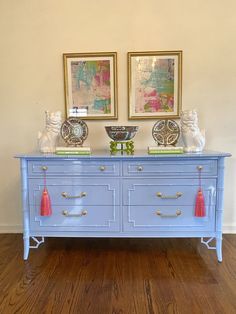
(137, 155)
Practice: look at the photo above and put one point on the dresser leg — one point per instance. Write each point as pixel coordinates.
(26, 247)
(219, 249)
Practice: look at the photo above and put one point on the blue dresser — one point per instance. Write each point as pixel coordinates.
(123, 196)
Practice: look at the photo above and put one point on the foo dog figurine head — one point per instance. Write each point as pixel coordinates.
(193, 138)
(48, 139)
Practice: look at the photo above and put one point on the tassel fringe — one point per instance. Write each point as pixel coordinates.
(45, 208)
(200, 210)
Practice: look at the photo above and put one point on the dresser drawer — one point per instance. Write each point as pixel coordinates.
(167, 191)
(75, 191)
(73, 168)
(170, 168)
(76, 218)
(167, 218)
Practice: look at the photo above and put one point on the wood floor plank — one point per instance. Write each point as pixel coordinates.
(117, 276)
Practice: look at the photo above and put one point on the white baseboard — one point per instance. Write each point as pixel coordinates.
(229, 228)
(6, 228)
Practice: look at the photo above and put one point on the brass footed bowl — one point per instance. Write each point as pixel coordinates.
(121, 133)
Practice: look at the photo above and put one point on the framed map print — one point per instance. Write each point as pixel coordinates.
(154, 84)
(91, 83)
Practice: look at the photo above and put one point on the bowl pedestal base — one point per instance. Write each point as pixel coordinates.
(122, 147)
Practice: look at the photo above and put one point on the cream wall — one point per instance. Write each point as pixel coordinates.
(34, 34)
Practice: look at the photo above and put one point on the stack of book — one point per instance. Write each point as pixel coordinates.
(67, 150)
(165, 150)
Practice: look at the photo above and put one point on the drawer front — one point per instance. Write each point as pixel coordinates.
(75, 191)
(167, 191)
(73, 168)
(167, 218)
(170, 168)
(76, 218)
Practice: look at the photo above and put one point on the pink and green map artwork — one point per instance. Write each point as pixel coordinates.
(154, 85)
(91, 86)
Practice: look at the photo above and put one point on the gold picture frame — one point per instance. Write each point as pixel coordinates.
(154, 84)
(90, 81)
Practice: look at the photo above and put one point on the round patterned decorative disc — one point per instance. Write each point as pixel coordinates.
(166, 132)
(74, 131)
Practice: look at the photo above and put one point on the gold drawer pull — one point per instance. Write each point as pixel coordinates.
(102, 168)
(44, 168)
(67, 214)
(82, 194)
(177, 195)
(178, 213)
(140, 168)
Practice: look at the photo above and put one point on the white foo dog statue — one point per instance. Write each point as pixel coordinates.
(48, 139)
(193, 138)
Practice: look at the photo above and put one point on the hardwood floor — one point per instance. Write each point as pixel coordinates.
(117, 276)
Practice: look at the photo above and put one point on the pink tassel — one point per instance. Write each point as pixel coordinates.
(45, 208)
(200, 210)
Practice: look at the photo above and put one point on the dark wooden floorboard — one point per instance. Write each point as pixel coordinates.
(117, 276)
